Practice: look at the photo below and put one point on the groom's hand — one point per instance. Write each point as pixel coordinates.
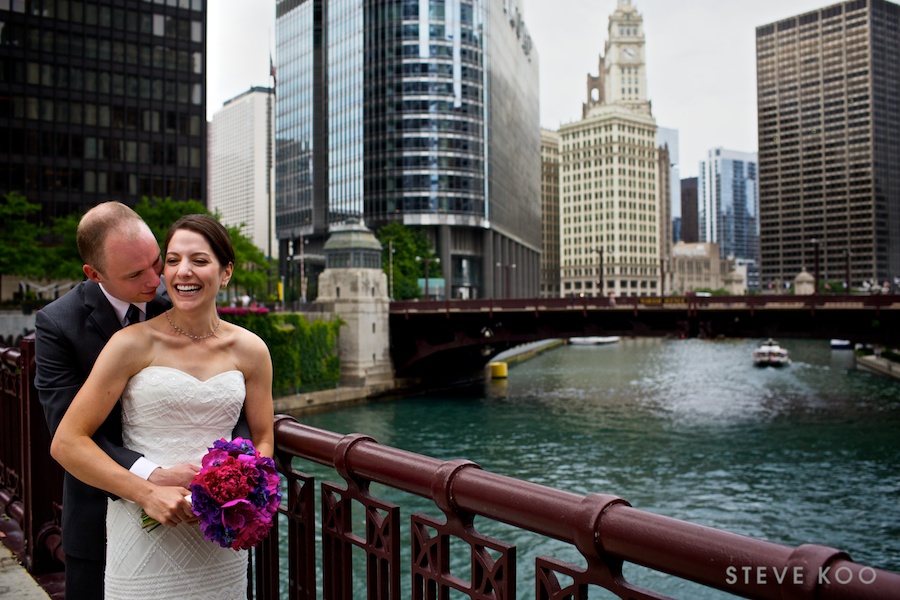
(168, 505)
(179, 475)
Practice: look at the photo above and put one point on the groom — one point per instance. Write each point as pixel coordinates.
(122, 263)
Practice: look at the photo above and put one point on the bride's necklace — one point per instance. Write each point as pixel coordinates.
(193, 337)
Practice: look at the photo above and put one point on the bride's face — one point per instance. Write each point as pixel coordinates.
(192, 273)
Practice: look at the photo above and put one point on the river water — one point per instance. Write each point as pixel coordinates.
(689, 429)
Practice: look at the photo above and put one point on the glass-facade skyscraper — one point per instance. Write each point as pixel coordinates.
(102, 101)
(727, 203)
(423, 112)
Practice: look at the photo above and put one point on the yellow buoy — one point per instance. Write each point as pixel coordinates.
(498, 370)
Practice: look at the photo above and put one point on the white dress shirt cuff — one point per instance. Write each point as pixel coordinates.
(143, 468)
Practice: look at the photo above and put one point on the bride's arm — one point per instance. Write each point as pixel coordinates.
(76, 451)
(258, 405)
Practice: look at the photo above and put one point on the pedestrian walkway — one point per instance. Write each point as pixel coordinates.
(15, 582)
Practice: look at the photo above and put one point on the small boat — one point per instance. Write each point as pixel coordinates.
(771, 354)
(593, 340)
(841, 345)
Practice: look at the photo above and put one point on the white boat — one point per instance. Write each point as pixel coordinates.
(841, 345)
(771, 354)
(592, 340)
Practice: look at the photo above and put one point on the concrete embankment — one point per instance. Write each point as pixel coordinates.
(879, 366)
(343, 396)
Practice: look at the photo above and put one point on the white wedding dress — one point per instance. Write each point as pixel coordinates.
(171, 418)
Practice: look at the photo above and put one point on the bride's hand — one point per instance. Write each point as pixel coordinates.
(179, 475)
(169, 505)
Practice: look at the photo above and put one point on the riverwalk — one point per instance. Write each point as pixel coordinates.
(879, 366)
(15, 582)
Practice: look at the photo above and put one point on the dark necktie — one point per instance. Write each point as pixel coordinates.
(132, 315)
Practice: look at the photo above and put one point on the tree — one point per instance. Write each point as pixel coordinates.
(254, 272)
(20, 249)
(63, 260)
(160, 213)
(407, 244)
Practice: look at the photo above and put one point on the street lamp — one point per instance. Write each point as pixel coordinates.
(426, 261)
(815, 244)
(600, 272)
(509, 269)
(391, 269)
(662, 275)
(847, 254)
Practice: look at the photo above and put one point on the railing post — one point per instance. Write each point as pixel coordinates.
(41, 495)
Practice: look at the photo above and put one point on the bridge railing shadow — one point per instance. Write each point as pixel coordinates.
(358, 533)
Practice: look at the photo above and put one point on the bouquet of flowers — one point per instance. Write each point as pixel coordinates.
(236, 495)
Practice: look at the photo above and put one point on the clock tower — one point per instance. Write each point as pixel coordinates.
(622, 78)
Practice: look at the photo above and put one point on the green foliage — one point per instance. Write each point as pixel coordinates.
(891, 355)
(304, 354)
(407, 244)
(19, 236)
(160, 213)
(254, 274)
(63, 259)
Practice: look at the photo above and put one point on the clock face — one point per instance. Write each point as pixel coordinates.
(629, 54)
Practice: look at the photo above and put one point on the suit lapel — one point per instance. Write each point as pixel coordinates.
(102, 314)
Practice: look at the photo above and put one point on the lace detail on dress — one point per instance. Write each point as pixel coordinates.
(172, 417)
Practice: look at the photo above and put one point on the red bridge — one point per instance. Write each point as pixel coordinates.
(459, 337)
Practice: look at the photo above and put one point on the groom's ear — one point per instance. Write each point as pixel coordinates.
(92, 273)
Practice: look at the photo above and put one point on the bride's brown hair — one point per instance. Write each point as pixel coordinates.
(211, 230)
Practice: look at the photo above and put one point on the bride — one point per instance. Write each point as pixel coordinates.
(183, 377)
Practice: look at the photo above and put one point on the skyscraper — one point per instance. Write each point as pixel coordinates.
(829, 143)
(241, 169)
(550, 213)
(102, 101)
(609, 175)
(668, 138)
(727, 203)
(423, 113)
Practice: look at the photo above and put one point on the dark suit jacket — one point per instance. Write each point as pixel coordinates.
(70, 333)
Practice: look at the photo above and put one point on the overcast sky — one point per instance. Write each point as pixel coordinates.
(701, 60)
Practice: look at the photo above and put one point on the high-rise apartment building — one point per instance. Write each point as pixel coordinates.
(609, 175)
(102, 101)
(241, 166)
(727, 199)
(550, 214)
(422, 113)
(829, 143)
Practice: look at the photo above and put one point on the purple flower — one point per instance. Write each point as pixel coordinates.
(236, 494)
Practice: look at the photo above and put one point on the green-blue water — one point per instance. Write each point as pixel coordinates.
(689, 429)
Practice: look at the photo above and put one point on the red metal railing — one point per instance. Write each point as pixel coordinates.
(30, 480)
(604, 529)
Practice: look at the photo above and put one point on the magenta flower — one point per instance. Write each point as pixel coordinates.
(236, 494)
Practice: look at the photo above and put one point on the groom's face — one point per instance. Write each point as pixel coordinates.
(132, 267)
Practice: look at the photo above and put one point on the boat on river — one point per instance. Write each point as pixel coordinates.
(593, 340)
(771, 354)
